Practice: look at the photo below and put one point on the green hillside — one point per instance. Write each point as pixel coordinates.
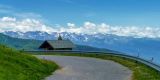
(19, 43)
(15, 65)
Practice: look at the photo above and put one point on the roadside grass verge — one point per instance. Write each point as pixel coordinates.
(15, 65)
(140, 70)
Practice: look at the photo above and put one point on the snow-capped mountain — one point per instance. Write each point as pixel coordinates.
(145, 47)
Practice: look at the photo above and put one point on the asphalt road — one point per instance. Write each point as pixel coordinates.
(81, 68)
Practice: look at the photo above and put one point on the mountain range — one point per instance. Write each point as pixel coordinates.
(143, 47)
(31, 44)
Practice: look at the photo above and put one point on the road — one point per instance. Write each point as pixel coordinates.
(82, 68)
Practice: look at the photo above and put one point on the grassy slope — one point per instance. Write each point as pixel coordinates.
(15, 65)
(18, 43)
(140, 71)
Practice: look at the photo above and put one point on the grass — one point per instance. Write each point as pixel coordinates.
(140, 70)
(15, 65)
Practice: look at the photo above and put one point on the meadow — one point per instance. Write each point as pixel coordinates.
(15, 65)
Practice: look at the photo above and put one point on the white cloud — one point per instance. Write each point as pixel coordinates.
(24, 25)
(133, 31)
(27, 24)
(70, 25)
(8, 19)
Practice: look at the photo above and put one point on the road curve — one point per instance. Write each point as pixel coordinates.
(81, 68)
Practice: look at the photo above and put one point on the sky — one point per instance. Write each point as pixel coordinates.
(131, 15)
(115, 12)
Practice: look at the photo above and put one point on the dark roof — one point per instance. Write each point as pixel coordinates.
(61, 43)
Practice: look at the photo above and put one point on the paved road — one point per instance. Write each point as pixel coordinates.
(79, 68)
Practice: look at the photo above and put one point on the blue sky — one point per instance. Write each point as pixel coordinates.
(113, 12)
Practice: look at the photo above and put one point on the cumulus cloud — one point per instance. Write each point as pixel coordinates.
(24, 25)
(27, 24)
(71, 25)
(8, 19)
(133, 31)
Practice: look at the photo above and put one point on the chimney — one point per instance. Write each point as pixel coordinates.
(59, 37)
